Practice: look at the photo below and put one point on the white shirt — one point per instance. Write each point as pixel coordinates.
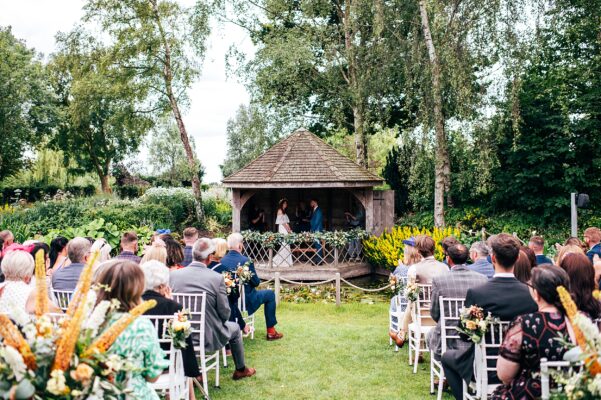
(503, 275)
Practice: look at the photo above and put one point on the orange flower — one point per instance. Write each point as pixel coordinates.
(108, 337)
(85, 281)
(41, 298)
(572, 312)
(13, 338)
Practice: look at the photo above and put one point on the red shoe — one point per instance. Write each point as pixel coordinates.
(274, 336)
(248, 372)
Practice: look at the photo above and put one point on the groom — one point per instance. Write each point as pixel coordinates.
(317, 226)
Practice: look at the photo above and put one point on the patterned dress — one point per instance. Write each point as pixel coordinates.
(139, 342)
(529, 338)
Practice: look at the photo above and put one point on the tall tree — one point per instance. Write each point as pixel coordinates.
(333, 62)
(101, 120)
(27, 109)
(249, 134)
(163, 42)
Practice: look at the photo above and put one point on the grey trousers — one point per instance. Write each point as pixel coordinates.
(237, 345)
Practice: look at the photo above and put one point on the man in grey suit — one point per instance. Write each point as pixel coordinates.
(454, 283)
(197, 278)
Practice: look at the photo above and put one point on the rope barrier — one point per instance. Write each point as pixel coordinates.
(307, 283)
(365, 289)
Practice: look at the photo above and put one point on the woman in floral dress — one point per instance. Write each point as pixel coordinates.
(531, 337)
(139, 341)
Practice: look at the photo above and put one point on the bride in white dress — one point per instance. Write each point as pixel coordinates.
(283, 258)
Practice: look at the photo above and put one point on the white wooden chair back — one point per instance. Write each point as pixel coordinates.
(486, 355)
(546, 368)
(249, 319)
(421, 307)
(175, 382)
(450, 315)
(62, 298)
(400, 300)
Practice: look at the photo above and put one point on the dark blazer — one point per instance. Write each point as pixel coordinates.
(235, 315)
(317, 220)
(596, 249)
(505, 298)
(167, 306)
(230, 262)
(543, 259)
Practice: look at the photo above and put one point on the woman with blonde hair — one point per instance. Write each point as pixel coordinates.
(568, 249)
(157, 251)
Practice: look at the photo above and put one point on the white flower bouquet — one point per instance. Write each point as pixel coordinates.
(179, 329)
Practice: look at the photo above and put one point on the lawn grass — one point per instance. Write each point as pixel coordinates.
(327, 353)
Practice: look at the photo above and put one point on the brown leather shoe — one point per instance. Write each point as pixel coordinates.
(248, 372)
(275, 336)
(398, 339)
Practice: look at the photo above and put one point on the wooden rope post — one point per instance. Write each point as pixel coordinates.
(336, 256)
(337, 289)
(277, 288)
(270, 262)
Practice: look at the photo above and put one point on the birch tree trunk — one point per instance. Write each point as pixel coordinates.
(168, 79)
(442, 163)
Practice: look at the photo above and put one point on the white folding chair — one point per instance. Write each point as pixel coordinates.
(401, 305)
(174, 383)
(249, 319)
(485, 361)
(62, 298)
(196, 305)
(450, 315)
(420, 310)
(545, 374)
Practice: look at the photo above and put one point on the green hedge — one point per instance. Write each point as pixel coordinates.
(8, 194)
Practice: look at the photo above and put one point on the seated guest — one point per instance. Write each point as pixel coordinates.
(479, 253)
(592, 238)
(197, 278)
(445, 244)
(454, 283)
(156, 279)
(503, 296)
(67, 277)
(533, 336)
(123, 281)
(58, 253)
(7, 238)
(582, 283)
(175, 252)
(421, 272)
(156, 251)
(18, 292)
(537, 244)
(129, 247)
(568, 249)
(410, 256)
(524, 264)
(190, 237)
(254, 298)
(215, 264)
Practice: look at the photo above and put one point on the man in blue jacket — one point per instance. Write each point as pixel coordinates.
(254, 298)
(317, 226)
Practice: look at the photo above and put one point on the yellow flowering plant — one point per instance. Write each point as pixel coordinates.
(179, 329)
(386, 250)
(45, 357)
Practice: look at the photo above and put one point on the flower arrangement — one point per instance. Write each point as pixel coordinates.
(411, 291)
(64, 358)
(231, 283)
(473, 323)
(396, 285)
(179, 329)
(583, 383)
(244, 273)
(272, 240)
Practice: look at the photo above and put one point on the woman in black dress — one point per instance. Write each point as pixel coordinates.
(531, 337)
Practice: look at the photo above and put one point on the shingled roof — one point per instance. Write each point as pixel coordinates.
(301, 160)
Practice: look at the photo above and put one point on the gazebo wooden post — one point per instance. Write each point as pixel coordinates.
(369, 210)
(236, 209)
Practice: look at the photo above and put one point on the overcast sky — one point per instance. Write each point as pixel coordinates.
(214, 99)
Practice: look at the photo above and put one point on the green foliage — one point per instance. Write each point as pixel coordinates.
(180, 201)
(27, 109)
(12, 194)
(129, 191)
(249, 134)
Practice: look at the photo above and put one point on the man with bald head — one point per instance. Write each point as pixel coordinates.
(66, 277)
(197, 278)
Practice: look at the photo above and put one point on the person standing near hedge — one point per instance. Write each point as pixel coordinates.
(129, 247)
(190, 237)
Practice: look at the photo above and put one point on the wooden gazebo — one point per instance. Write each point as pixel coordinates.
(300, 167)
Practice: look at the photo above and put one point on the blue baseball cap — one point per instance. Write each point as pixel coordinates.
(163, 231)
(410, 241)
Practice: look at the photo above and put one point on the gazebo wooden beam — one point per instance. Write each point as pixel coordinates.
(299, 185)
